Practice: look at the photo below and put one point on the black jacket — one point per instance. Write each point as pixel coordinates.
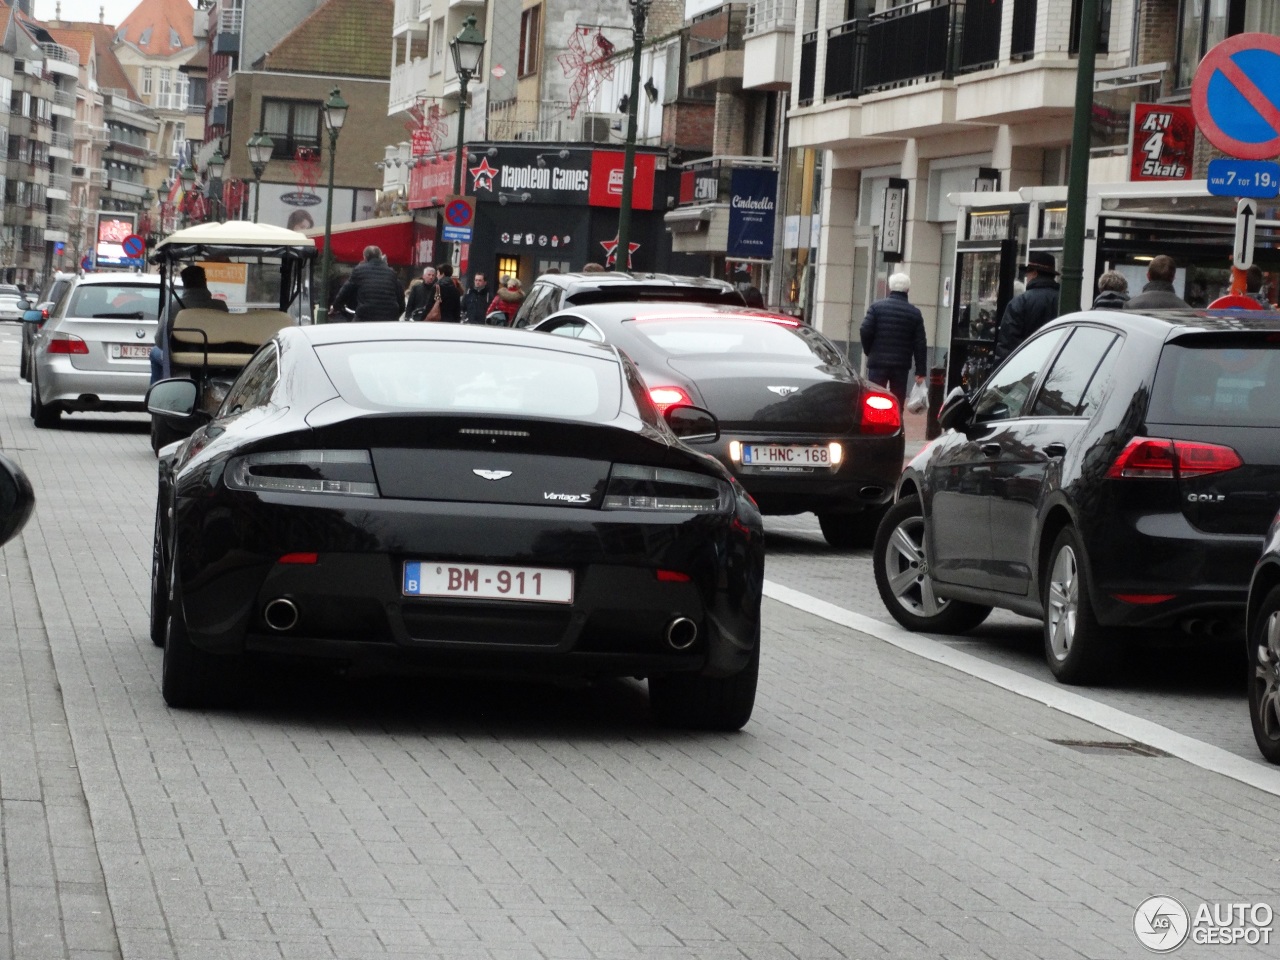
(893, 335)
(421, 296)
(1111, 300)
(374, 290)
(474, 304)
(1157, 295)
(450, 300)
(1027, 313)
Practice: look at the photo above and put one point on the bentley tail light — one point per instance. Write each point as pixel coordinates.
(665, 397)
(66, 343)
(347, 472)
(1159, 459)
(659, 488)
(880, 413)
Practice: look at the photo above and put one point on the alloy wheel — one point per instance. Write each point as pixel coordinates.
(907, 568)
(1064, 602)
(1266, 676)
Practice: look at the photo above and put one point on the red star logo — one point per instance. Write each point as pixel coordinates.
(484, 173)
(611, 251)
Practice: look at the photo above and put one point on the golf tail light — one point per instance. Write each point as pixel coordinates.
(66, 343)
(735, 451)
(665, 397)
(880, 413)
(346, 472)
(1158, 459)
(661, 489)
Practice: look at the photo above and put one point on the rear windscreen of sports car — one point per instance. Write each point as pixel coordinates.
(474, 378)
(696, 336)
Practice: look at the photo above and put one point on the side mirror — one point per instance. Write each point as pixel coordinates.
(956, 412)
(31, 315)
(172, 399)
(693, 424)
(17, 499)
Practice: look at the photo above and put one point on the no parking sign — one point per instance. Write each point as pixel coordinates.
(1236, 96)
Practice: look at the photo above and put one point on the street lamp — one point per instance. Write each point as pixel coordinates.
(216, 165)
(188, 178)
(335, 114)
(467, 49)
(639, 13)
(260, 148)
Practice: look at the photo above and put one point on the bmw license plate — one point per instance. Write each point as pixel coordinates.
(785, 455)
(487, 582)
(130, 351)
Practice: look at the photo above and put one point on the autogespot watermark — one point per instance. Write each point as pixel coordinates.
(1162, 924)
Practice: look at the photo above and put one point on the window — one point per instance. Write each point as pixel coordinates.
(508, 267)
(1063, 390)
(179, 137)
(147, 81)
(1006, 392)
(175, 41)
(1203, 23)
(437, 47)
(254, 385)
(529, 38)
(1217, 381)
(1104, 26)
(576, 328)
(291, 124)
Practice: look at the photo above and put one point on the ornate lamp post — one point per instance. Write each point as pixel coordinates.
(639, 14)
(467, 49)
(217, 164)
(188, 177)
(260, 148)
(335, 115)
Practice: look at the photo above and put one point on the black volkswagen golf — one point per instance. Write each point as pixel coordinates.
(1117, 472)
(802, 431)
(455, 498)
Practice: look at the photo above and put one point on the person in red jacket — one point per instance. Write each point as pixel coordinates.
(508, 300)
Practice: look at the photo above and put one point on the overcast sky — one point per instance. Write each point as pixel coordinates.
(116, 10)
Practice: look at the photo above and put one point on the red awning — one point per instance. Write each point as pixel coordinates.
(394, 235)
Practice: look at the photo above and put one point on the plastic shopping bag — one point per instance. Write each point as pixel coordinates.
(918, 398)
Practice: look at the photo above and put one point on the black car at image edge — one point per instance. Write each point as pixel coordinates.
(1263, 647)
(452, 497)
(1114, 477)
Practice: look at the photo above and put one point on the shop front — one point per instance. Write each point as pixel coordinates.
(553, 206)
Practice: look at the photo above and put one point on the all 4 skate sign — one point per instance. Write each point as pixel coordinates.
(1162, 142)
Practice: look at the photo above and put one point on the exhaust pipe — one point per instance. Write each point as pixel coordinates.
(281, 615)
(871, 493)
(680, 633)
(1194, 627)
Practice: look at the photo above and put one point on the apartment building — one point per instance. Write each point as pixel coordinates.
(153, 44)
(941, 133)
(88, 139)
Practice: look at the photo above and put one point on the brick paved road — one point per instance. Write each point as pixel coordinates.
(878, 805)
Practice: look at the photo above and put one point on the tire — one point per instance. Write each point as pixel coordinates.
(1264, 677)
(24, 364)
(162, 434)
(1077, 648)
(690, 700)
(44, 416)
(846, 531)
(902, 576)
(190, 677)
(159, 585)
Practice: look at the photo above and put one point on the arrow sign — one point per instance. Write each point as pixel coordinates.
(1246, 231)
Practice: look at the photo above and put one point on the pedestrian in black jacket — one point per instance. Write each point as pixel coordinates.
(1031, 310)
(373, 289)
(421, 296)
(476, 300)
(893, 338)
(450, 294)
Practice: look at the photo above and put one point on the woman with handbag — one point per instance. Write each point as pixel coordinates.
(448, 296)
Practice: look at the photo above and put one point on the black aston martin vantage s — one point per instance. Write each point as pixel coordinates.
(454, 497)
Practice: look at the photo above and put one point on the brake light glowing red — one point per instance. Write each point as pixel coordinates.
(672, 576)
(664, 397)
(1159, 459)
(1144, 599)
(880, 413)
(305, 558)
(66, 343)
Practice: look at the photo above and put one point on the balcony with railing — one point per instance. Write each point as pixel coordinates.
(64, 103)
(60, 181)
(88, 131)
(227, 40)
(60, 59)
(715, 48)
(538, 121)
(409, 81)
(768, 44)
(926, 65)
(63, 142)
(405, 19)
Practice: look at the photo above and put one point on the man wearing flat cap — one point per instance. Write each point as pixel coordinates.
(1032, 309)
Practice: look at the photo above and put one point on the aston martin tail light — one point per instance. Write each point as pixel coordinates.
(346, 472)
(659, 488)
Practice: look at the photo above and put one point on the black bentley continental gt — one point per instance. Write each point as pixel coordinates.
(455, 498)
(802, 431)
